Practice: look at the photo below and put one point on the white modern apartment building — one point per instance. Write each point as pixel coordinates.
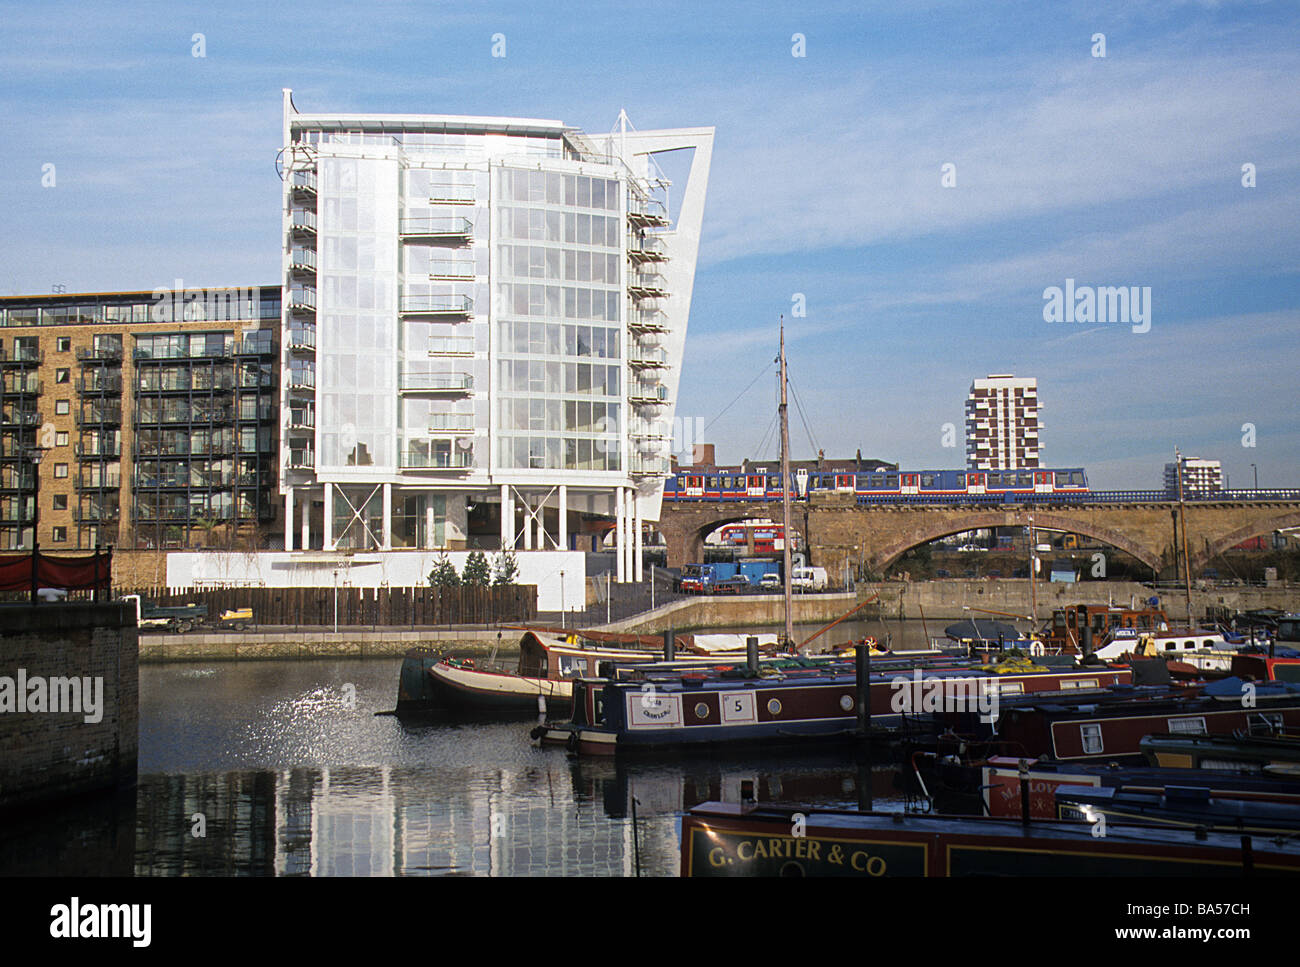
(1199, 476)
(484, 318)
(1002, 423)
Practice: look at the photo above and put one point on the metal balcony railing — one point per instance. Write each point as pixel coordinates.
(436, 305)
(302, 299)
(435, 226)
(302, 260)
(437, 382)
(302, 459)
(303, 182)
(451, 423)
(451, 195)
(451, 346)
(417, 460)
(647, 393)
(302, 337)
(451, 269)
(303, 223)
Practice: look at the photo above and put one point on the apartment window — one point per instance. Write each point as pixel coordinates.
(60, 502)
(61, 438)
(60, 470)
(62, 375)
(60, 534)
(63, 344)
(62, 407)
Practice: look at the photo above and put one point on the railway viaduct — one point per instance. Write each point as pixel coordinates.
(840, 531)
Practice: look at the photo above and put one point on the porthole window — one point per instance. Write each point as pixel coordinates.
(774, 706)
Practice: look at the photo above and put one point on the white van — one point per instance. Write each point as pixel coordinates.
(808, 578)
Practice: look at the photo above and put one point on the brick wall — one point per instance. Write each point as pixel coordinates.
(52, 755)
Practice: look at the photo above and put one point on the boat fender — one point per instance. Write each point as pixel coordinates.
(571, 743)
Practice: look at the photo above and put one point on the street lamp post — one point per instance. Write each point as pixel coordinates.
(1256, 469)
(336, 601)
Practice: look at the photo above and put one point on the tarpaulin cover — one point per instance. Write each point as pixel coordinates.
(82, 573)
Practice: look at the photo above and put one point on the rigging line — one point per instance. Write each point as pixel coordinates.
(758, 454)
(802, 416)
(737, 399)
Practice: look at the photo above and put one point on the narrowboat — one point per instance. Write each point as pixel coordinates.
(1267, 751)
(1191, 807)
(729, 839)
(549, 662)
(1064, 632)
(1113, 729)
(654, 706)
(1002, 784)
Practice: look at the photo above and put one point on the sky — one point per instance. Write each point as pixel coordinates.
(827, 200)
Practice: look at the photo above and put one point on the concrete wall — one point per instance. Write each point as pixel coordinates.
(347, 643)
(747, 610)
(552, 572)
(49, 755)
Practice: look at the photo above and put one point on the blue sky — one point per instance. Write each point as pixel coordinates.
(1122, 170)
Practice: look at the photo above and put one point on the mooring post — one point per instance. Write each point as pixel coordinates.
(670, 645)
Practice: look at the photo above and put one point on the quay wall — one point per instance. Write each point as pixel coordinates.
(744, 610)
(345, 643)
(46, 755)
(945, 599)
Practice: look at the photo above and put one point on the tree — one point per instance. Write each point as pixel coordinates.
(506, 569)
(444, 573)
(478, 574)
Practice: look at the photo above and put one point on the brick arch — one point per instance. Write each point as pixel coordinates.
(888, 554)
(1256, 528)
(685, 529)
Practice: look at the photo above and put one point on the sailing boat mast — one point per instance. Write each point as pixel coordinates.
(1182, 520)
(785, 500)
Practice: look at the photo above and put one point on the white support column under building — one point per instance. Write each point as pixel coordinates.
(636, 538)
(528, 525)
(619, 551)
(306, 523)
(288, 519)
(507, 519)
(388, 517)
(328, 541)
(563, 528)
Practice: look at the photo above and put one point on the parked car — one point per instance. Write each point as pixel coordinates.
(771, 582)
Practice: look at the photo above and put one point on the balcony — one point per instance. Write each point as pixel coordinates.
(17, 417)
(302, 224)
(647, 285)
(451, 346)
(450, 423)
(101, 450)
(648, 321)
(451, 271)
(302, 183)
(24, 387)
(97, 383)
(441, 383)
(648, 248)
(647, 213)
(417, 460)
(302, 300)
(648, 358)
(98, 482)
(109, 355)
(302, 339)
(435, 227)
(451, 195)
(22, 357)
(432, 306)
(640, 466)
(302, 260)
(17, 481)
(647, 393)
(301, 460)
(96, 515)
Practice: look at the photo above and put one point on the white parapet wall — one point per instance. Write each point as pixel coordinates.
(560, 576)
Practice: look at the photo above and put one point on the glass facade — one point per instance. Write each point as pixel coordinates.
(559, 303)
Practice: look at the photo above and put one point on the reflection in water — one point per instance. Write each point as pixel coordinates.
(288, 775)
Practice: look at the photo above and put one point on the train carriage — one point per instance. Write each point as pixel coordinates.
(887, 485)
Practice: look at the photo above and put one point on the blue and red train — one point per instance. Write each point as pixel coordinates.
(883, 485)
